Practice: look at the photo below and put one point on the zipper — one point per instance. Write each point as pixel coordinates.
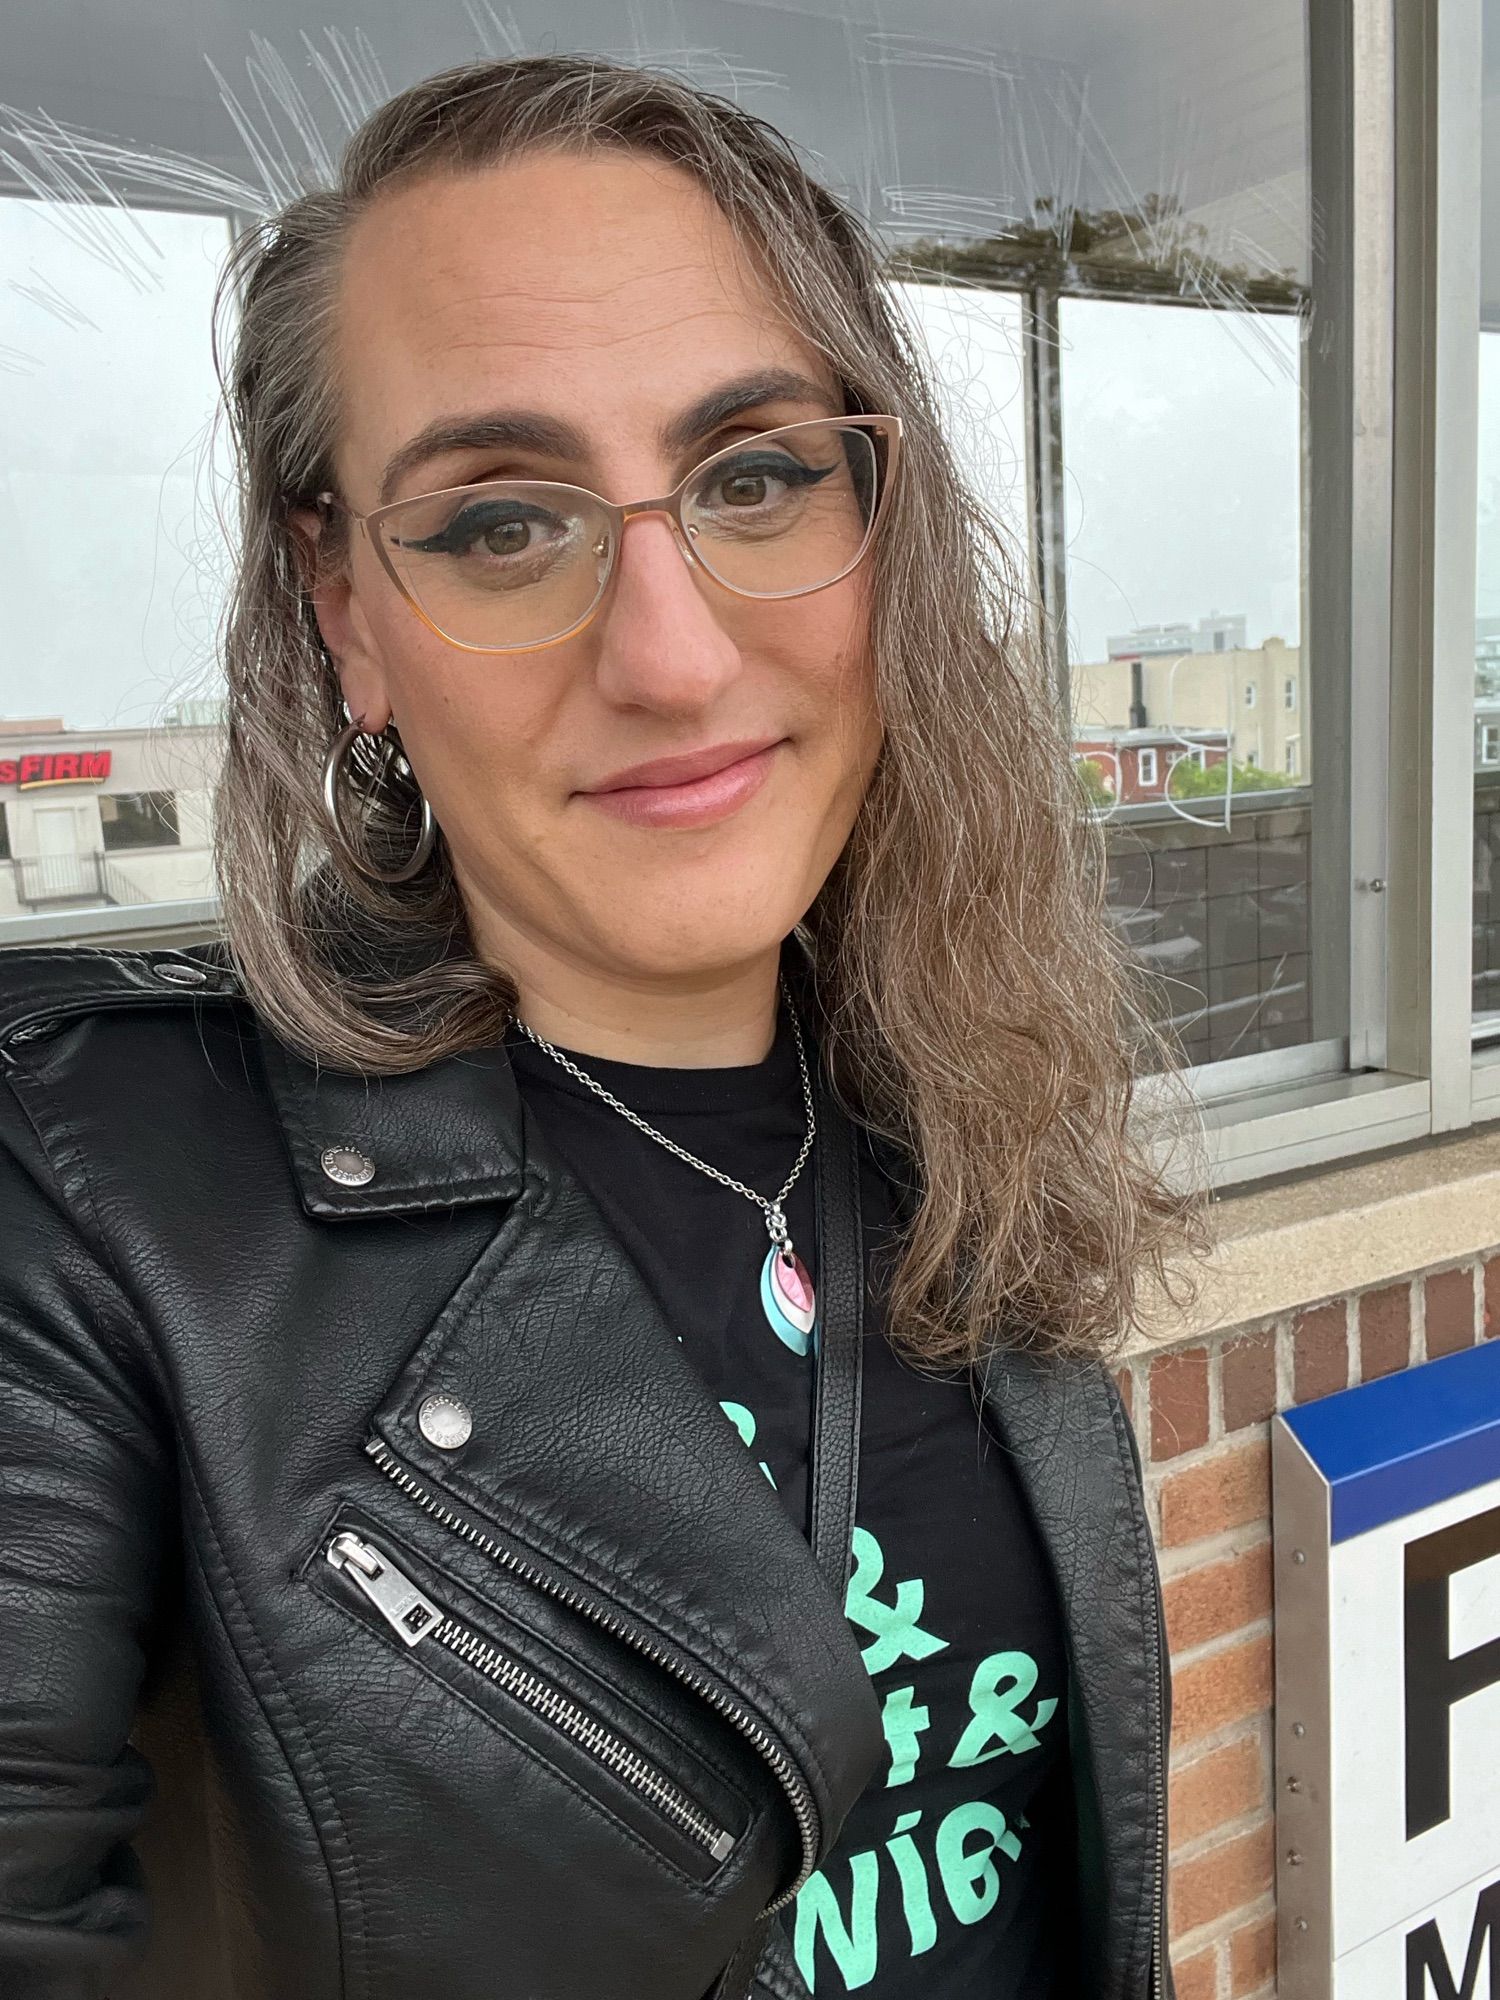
(799, 1793)
(414, 1617)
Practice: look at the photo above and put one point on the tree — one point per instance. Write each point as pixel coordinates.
(1187, 780)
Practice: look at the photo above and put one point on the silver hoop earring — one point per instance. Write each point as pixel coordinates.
(332, 766)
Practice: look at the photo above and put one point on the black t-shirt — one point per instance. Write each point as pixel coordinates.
(951, 1874)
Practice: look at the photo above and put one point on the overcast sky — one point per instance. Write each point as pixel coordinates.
(1181, 432)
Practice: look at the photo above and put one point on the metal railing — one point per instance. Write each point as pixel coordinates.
(43, 880)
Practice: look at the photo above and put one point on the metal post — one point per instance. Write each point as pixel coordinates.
(1438, 99)
(1347, 472)
(1040, 353)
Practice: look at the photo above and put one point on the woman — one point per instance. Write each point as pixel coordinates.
(573, 1338)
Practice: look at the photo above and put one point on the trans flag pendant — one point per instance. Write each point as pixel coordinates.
(786, 1290)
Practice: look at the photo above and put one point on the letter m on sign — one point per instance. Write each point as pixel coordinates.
(93, 764)
(1428, 1973)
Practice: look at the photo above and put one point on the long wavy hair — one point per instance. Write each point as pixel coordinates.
(974, 1007)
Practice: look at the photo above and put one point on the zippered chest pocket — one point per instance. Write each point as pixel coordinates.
(629, 1766)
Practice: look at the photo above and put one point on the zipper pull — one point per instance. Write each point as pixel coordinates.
(406, 1609)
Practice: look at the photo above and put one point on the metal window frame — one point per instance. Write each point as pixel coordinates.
(1389, 527)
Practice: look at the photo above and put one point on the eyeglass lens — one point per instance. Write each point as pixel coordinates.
(514, 562)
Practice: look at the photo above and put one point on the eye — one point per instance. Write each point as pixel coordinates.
(757, 479)
(496, 527)
(744, 488)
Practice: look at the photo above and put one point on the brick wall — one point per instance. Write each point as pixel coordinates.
(1202, 1414)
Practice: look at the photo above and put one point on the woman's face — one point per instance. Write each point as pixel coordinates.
(608, 296)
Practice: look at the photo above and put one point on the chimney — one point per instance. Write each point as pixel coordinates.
(1137, 697)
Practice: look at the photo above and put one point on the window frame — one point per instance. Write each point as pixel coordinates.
(1389, 542)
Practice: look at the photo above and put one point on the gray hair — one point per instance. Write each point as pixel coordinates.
(974, 1005)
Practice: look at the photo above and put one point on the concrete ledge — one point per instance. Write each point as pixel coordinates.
(1330, 1231)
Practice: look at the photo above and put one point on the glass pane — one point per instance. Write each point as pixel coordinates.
(1168, 137)
(973, 337)
(1486, 966)
(1190, 695)
(111, 569)
(1110, 154)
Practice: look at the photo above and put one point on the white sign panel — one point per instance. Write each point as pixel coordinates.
(1387, 1516)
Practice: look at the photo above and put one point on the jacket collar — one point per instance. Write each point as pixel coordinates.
(445, 1136)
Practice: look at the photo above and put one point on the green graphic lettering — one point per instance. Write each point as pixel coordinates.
(916, 1902)
(903, 1725)
(971, 1881)
(744, 1423)
(996, 1726)
(897, 1633)
(852, 1948)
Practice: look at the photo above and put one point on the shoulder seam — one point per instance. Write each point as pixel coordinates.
(41, 988)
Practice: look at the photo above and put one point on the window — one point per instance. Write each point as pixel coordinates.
(1098, 218)
(973, 338)
(139, 819)
(106, 396)
(1170, 395)
(1145, 767)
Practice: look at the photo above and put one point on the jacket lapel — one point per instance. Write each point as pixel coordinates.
(596, 1453)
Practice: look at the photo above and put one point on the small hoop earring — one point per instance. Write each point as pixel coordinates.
(332, 812)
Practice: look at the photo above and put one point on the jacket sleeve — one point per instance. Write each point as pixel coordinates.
(85, 1507)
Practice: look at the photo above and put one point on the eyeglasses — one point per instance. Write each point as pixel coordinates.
(509, 565)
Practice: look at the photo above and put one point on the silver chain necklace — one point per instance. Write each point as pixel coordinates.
(786, 1290)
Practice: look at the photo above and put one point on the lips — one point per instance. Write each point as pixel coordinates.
(696, 789)
(685, 768)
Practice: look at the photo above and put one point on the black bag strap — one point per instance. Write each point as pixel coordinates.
(834, 1468)
(839, 1280)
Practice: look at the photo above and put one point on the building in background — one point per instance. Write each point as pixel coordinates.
(94, 818)
(1133, 767)
(1214, 634)
(1254, 694)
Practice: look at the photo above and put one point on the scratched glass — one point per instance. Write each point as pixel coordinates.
(507, 565)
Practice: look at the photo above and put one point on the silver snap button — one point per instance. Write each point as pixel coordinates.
(176, 973)
(348, 1166)
(445, 1422)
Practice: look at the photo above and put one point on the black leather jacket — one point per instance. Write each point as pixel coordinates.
(551, 1713)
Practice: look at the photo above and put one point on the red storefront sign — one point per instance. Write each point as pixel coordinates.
(55, 767)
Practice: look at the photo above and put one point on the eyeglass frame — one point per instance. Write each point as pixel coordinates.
(619, 512)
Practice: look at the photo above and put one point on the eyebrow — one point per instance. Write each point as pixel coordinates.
(531, 430)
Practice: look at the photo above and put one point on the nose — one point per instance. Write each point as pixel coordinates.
(660, 644)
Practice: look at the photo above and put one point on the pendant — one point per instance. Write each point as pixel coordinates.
(786, 1296)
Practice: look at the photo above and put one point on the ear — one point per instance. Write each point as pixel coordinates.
(341, 620)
